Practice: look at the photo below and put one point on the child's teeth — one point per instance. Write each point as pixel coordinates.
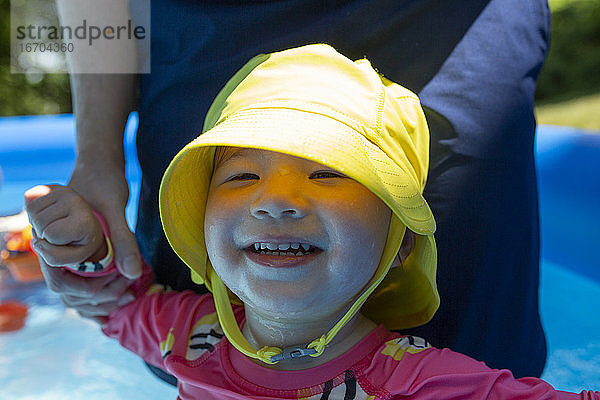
(280, 249)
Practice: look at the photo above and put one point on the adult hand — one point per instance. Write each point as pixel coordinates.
(65, 231)
(103, 186)
(64, 227)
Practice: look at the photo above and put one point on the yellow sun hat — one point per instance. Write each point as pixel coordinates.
(314, 103)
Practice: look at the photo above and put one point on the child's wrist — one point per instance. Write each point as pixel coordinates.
(95, 263)
(101, 252)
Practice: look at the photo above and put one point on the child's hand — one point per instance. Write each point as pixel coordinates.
(65, 229)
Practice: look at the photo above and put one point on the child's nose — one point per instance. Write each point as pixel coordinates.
(279, 200)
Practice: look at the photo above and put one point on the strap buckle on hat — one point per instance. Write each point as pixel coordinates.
(292, 352)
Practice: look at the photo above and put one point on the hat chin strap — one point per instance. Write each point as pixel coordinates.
(271, 354)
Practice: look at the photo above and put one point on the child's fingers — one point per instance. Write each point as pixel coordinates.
(97, 311)
(66, 283)
(114, 291)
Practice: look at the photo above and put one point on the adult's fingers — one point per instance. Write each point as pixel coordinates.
(36, 198)
(40, 197)
(108, 195)
(80, 227)
(126, 253)
(42, 207)
(61, 216)
(52, 216)
(125, 249)
(57, 256)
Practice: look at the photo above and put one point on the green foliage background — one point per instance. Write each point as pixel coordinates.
(20, 96)
(572, 68)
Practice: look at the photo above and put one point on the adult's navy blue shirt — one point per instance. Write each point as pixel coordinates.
(474, 66)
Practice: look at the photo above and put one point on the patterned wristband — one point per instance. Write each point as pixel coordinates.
(95, 266)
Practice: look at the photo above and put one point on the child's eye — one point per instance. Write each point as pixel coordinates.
(245, 176)
(326, 174)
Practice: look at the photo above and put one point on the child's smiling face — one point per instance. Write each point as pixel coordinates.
(292, 237)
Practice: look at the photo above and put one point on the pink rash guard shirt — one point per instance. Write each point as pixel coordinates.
(180, 333)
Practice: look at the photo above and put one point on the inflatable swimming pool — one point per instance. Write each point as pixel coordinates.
(568, 163)
(67, 357)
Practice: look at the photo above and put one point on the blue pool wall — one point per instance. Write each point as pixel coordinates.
(568, 167)
(41, 150)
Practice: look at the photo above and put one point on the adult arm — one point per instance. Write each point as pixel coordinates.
(101, 103)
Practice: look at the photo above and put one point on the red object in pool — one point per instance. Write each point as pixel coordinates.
(12, 316)
(19, 257)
